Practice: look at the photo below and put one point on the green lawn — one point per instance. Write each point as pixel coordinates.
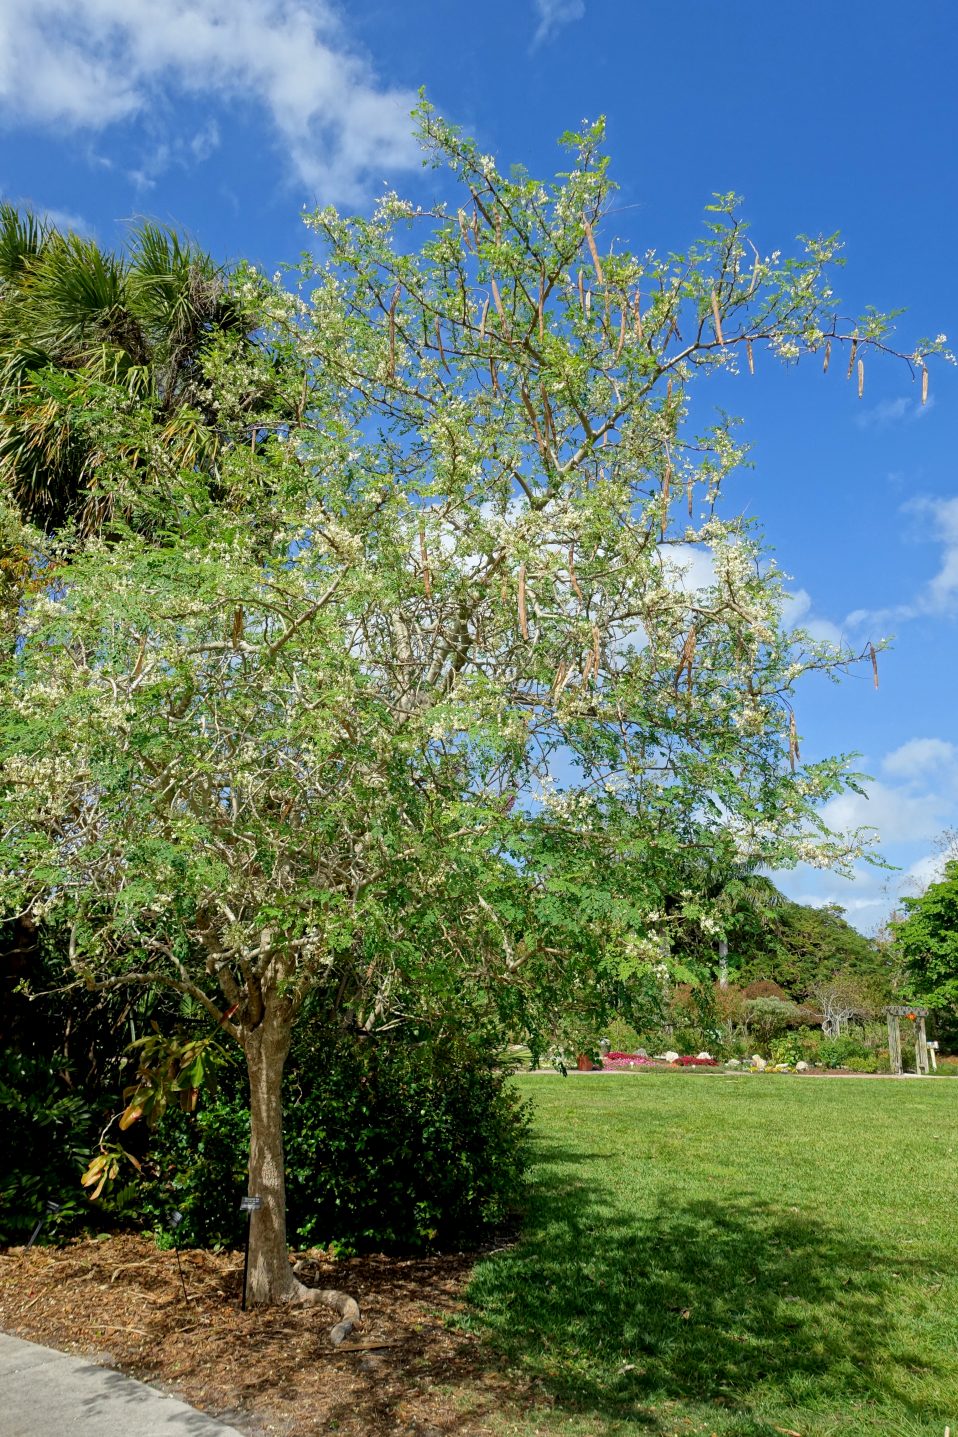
(735, 1255)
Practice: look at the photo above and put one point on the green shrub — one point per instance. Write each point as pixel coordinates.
(843, 1052)
(788, 1049)
(393, 1144)
(389, 1145)
(48, 1138)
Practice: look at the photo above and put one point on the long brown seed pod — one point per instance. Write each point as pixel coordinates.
(924, 384)
(484, 316)
(542, 302)
(588, 301)
(861, 378)
(523, 618)
(493, 375)
(688, 493)
(236, 634)
(621, 344)
(751, 356)
(573, 578)
(717, 318)
(594, 253)
(666, 489)
(534, 421)
(392, 333)
(686, 658)
(550, 419)
(442, 352)
(423, 555)
(497, 299)
(596, 652)
(874, 658)
(461, 216)
(793, 753)
(639, 331)
(138, 665)
(561, 675)
(828, 355)
(851, 357)
(581, 291)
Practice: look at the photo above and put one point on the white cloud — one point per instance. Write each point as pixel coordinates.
(921, 757)
(796, 613)
(555, 13)
(688, 566)
(893, 411)
(88, 64)
(899, 815)
(939, 596)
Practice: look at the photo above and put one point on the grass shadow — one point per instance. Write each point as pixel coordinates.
(732, 1305)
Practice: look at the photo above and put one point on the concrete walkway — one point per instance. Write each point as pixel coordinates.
(44, 1393)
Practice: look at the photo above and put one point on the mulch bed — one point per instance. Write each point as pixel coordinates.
(269, 1370)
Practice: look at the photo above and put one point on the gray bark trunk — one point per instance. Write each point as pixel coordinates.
(271, 1277)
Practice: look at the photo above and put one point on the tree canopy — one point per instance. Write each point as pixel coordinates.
(416, 709)
(926, 937)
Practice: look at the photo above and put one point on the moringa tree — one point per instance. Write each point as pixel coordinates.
(418, 708)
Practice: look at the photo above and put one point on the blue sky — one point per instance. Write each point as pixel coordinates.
(226, 117)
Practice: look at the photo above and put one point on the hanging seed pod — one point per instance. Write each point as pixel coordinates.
(637, 306)
(392, 333)
(755, 273)
(621, 344)
(442, 352)
(523, 618)
(236, 634)
(793, 753)
(588, 301)
(550, 419)
(717, 318)
(851, 357)
(424, 558)
(542, 303)
(666, 489)
(461, 216)
(527, 402)
(751, 356)
(874, 658)
(483, 318)
(828, 355)
(561, 678)
(572, 574)
(493, 375)
(596, 652)
(497, 299)
(140, 654)
(924, 384)
(688, 493)
(475, 227)
(861, 378)
(686, 658)
(594, 253)
(497, 221)
(581, 292)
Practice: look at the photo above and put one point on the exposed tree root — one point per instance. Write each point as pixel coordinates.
(341, 1302)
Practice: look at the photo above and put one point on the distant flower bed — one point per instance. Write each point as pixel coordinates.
(620, 1061)
(695, 1063)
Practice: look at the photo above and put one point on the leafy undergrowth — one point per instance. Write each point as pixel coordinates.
(739, 1258)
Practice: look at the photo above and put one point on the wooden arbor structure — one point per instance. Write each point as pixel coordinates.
(911, 1015)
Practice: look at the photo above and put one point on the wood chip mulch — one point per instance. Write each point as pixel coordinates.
(119, 1301)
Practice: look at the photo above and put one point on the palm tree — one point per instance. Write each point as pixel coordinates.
(75, 318)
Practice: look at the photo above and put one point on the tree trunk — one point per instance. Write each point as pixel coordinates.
(723, 963)
(271, 1277)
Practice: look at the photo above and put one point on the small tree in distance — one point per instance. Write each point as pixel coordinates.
(411, 711)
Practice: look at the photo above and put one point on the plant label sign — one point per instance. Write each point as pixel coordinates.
(251, 1204)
